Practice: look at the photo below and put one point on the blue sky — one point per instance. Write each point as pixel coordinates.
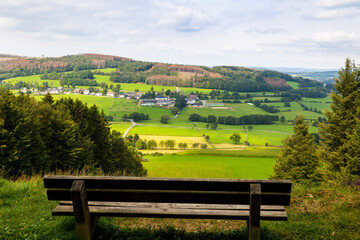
(267, 33)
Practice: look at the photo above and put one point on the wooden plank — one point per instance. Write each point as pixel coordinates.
(281, 186)
(172, 197)
(254, 218)
(84, 223)
(179, 205)
(67, 210)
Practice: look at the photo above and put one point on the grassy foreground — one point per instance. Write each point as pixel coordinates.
(316, 212)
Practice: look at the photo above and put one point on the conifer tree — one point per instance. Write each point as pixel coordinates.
(298, 159)
(340, 133)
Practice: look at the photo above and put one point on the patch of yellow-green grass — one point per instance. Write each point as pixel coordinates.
(177, 139)
(162, 151)
(209, 167)
(104, 79)
(254, 137)
(103, 103)
(165, 131)
(229, 146)
(294, 85)
(105, 70)
(141, 87)
(120, 126)
(34, 80)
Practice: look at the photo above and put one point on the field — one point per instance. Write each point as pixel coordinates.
(209, 167)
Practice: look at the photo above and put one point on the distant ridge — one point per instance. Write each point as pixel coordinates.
(106, 57)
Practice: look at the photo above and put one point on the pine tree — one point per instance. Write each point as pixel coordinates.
(298, 159)
(340, 133)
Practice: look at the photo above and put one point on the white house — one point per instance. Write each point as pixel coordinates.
(110, 94)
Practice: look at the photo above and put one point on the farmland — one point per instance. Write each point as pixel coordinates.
(190, 161)
(209, 167)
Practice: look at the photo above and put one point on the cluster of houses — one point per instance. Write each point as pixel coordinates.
(163, 101)
(160, 100)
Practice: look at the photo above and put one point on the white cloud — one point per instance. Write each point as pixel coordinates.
(7, 23)
(336, 37)
(336, 13)
(338, 3)
(183, 19)
(266, 30)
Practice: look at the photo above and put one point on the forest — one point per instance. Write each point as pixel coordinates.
(46, 136)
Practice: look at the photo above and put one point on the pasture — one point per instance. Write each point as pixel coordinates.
(209, 166)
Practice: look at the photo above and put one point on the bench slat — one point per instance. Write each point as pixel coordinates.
(172, 196)
(67, 210)
(179, 205)
(194, 184)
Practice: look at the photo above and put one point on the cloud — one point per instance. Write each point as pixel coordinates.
(266, 30)
(7, 23)
(335, 13)
(336, 37)
(181, 18)
(338, 3)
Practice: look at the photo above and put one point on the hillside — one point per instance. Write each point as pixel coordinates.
(234, 79)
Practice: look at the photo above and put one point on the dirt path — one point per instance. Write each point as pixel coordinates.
(128, 130)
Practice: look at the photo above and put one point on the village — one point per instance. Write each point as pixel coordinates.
(192, 100)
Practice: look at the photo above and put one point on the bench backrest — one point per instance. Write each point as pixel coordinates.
(170, 190)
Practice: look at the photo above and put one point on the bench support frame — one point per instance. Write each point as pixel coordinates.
(84, 222)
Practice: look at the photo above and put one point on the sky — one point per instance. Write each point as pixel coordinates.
(264, 33)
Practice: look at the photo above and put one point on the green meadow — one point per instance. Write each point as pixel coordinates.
(209, 167)
(105, 70)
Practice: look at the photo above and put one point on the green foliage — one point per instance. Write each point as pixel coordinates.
(151, 144)
(165, 119)
(180, 102)
(297, 160)
(340, 132)
(204, 146)
(235, 137)
(41, 137)
(170, 144)
(174, 110)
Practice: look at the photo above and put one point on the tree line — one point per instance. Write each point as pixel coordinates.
(254, 119)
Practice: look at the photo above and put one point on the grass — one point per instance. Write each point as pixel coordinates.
(294, 85)
(120, 126)
(253, 137)
(209, 167)
(167, 131)
(322, 211)
(105, 70)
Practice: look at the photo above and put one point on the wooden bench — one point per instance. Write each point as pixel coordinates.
(89, 198)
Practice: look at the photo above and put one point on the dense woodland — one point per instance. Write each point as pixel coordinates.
(46, 136)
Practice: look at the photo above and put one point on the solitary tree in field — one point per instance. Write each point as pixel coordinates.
(213, 125)
(282, 119)
(204, 146)
(165, 119)
(235, 137)
(298, 159)
(341, 131)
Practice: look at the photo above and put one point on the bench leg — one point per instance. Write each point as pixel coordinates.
(84, 223)
(254, 216)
